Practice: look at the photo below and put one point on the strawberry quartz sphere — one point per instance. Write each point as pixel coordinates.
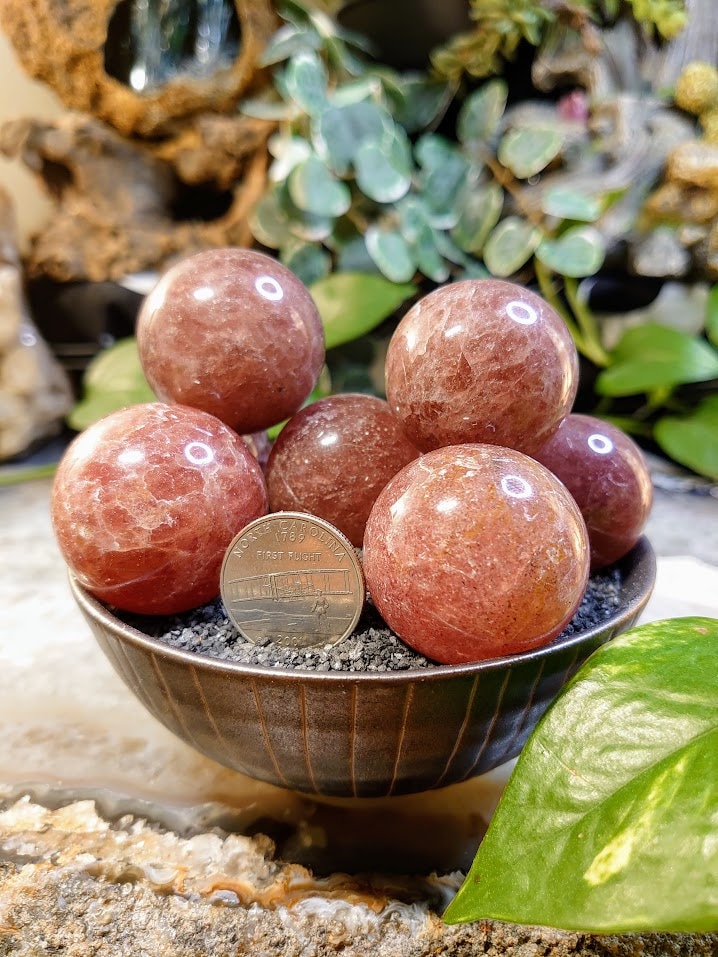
(146, 501)
(481, 360)
(235, 333)
(334, 457)
(606, 473)
(474, 552)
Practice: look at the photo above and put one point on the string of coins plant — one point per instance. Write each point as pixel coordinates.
(363, 188)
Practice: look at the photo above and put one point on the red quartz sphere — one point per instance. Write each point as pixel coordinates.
(606, 473)
(235, 333)
(481, 360)
(474, 552)
(334, 457)
(146, 501)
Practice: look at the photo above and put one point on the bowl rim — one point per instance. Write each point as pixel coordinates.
(641, 558)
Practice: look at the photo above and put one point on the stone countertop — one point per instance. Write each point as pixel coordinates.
(71, 727)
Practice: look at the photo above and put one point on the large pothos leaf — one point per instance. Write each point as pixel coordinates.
(653, 356)
(352, 304)
(692, 439)
(609, 821)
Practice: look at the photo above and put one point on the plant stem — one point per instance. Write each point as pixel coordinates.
(15, 476)
(586, 321)
(548, 291)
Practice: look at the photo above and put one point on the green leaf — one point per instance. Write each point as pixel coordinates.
(510, 245)
(442, 180)
(692, 439)
(114, 379)
(308, 261)
(654, 357)
(607, 824)
(352, 304)
(417, 230)
(287, 42)
(262, 108)
(481, 113)
(479, 211)
(528, 151)
(288, 152)
(383, 169)
(353, 256)
(269, 220)
(712, 316)
(305, 81)
(315, 189)
(566, 203)
(578, 252)
(391, 253)
(420, 103)
(339, 131)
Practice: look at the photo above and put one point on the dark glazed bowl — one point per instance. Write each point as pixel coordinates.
(357, 735)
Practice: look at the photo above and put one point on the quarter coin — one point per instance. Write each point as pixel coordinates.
(294, 579)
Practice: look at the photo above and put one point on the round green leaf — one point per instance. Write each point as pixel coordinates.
(315, 189)
(338, 132)
(443, 177)
(607, 824)
(262, 108)
(651, 356)
(416, 228)
(578, 252)
(269, 220)
(565, 203)
(692, 439)
(287, 42)
(308, 261)
(528, 151)
(479, 211)
(352, 304)
(391, 253)
(481, 112)
(383, 169)
(510, 245)
(420, 102)
(353, 256)
(305, 81)
(287, 151)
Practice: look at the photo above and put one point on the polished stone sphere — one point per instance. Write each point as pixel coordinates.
(146, 501)
(606, 473)
(334, 457)
(474, 552)
(235, 333)
(481, 360)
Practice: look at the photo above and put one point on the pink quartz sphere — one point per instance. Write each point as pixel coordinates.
(334, 457)
(474, 552)
(606, 473)
(235, 333)
(146, 501)
(481, 360)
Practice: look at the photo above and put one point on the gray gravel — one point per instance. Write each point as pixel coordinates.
(371, 648)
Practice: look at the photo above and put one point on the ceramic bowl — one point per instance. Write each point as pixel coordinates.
(357, 735)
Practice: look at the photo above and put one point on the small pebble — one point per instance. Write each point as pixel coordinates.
(372, 647)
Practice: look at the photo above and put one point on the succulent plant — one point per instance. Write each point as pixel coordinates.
(362, 181)
(502, 25)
